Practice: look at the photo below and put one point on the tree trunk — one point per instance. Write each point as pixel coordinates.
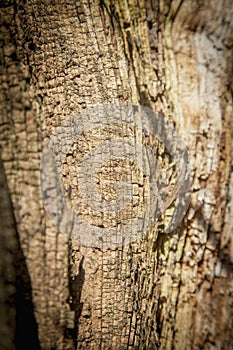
(162, 291)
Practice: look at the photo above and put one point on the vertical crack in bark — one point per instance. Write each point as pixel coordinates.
(76, 282)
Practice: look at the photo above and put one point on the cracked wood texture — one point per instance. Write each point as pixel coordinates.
(164, 291)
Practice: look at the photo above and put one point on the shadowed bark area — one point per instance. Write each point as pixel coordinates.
(18, 325)
(75, 291)
(163, 291)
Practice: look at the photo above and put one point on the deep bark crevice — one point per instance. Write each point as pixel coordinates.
(76, 283)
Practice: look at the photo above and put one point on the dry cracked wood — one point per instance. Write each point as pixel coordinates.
(59, 57)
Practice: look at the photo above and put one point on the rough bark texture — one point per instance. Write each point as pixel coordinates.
(58, 57)
(17, 319)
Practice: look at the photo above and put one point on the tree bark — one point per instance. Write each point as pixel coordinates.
(60, 57)
(17, 319)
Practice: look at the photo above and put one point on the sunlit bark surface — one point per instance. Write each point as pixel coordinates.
(164, 291)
